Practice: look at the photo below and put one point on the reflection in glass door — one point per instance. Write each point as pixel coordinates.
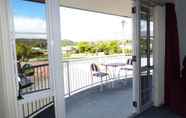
(145, 49)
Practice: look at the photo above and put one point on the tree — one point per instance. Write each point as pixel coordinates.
(84, 47)
(113, 47)
(143, 47)
(23, 51)
(101, 46)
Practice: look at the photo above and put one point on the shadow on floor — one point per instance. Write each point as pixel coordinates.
(162, 112)
(48, 113)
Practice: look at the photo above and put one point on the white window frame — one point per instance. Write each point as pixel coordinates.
(55, 56)
(8, 92)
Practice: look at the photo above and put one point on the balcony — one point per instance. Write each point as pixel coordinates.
(82, 91)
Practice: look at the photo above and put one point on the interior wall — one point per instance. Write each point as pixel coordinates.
(181, 18)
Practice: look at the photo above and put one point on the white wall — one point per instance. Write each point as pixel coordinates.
(181, 18)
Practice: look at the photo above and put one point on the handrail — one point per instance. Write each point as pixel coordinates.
(94, 57)
(40, 79)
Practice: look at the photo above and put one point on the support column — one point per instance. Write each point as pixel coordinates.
(8, 96)
(55, 56)
(159, 55)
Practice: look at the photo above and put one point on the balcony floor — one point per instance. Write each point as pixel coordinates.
(110, 103)
(114, 103)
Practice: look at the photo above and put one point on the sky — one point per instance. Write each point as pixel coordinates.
(76, 25)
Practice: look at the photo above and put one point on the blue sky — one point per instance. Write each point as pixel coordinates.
(30, 18)
(28, 9)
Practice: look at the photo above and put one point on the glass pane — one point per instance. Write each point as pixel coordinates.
(143, 43)
(151, 42)
(146, 38)
(31, 45)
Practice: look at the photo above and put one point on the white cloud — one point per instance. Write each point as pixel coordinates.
(31, 36)
(30, 26)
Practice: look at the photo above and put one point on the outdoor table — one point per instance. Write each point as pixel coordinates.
(114, 66)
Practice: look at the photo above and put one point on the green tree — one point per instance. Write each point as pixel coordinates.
(143, 47)
(84, 46)
(101, 46)
(23, 51)
(114, 47)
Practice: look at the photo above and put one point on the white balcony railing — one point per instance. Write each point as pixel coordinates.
(77, 77)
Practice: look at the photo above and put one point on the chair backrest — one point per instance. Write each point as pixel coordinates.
(94, 67)
(129, 61)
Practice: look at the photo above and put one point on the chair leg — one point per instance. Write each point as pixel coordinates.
(125, 74)
(101, 86)
(119, 74)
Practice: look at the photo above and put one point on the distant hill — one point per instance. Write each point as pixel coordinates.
(67, 42)
(64, 42)
(42, 43)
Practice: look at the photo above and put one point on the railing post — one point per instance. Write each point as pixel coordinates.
(91, 77)
(20, 109)
(68, 78)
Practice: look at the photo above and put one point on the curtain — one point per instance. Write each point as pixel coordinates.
(172, 61)
(159, 55)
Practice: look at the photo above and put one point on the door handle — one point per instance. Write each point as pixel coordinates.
(134, 59)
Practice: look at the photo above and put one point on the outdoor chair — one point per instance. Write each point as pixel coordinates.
(126, 68)
(95, 72)
(24, 79)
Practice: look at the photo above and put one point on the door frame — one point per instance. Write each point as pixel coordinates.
(137, 105)
(55, 66)
(136, 64)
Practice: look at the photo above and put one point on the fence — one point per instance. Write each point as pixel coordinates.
(40, 79)
(31, 109)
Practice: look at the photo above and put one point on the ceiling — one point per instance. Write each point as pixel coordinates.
(113, 7)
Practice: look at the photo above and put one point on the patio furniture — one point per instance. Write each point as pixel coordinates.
(95, 72)
(126, 68)
(114, 66)
(114, 70)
